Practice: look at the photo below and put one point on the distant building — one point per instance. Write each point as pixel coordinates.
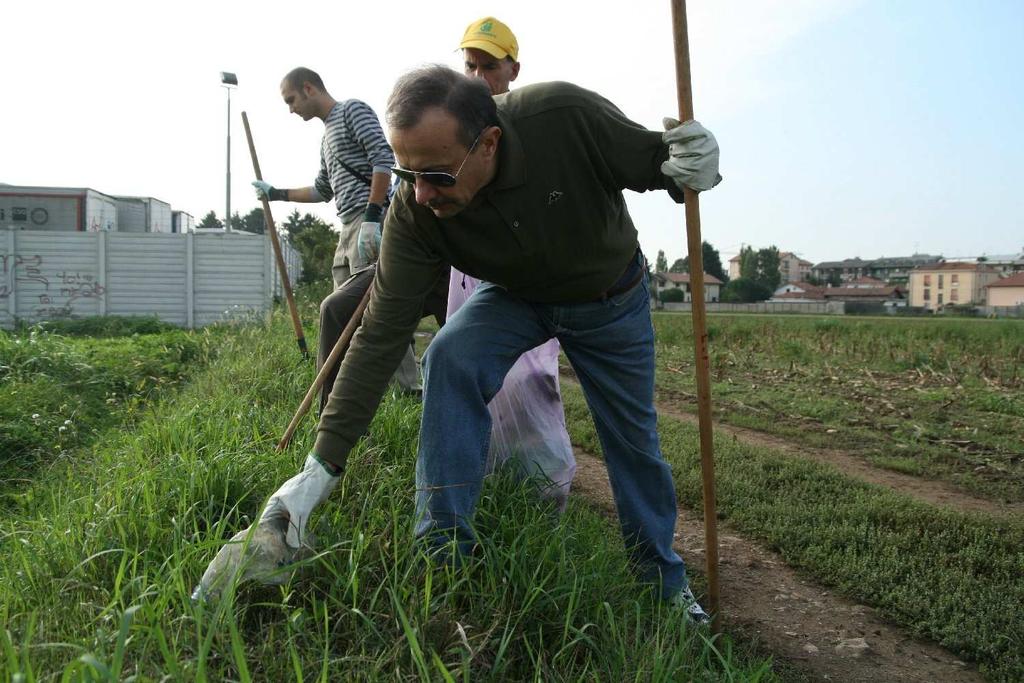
(887, 294)
(893, 270)
(77, 209)
(951, 283)
(182, 221)
(81, 209)
(1007, 291)
(840, 271)
(798, 292)
(734, 267)
(143, 214)
(712, 285)
(866, 282)
(1007, 264)
(792, 268)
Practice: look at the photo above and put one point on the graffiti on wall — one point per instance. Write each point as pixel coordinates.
(60, 290)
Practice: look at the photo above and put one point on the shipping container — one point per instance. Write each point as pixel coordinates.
(143, 214)
(72, 209)
(182, 221)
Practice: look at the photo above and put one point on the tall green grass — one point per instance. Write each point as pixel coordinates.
(97, 561)
(59, 388)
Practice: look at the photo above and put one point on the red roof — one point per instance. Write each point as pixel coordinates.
(863, 291)
(816, 293)
(685, 278)
(865, 280)
(1012, 281)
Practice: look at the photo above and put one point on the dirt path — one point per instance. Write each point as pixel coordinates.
(926, 490)
(820, 634)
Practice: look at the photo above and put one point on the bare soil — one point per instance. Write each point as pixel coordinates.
(817, 633)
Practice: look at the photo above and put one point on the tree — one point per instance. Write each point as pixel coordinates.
(768, 268)
(254, 221)
(210, 221)
(748, 263)
(661, 265)
(680, 265)
(712, 262)
(761, 266)
(672, 295)
(315, 241)
(743, 290)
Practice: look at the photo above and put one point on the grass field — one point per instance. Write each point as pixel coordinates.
(936, 398)
(99, 552)
(62, 384)
(100, 549)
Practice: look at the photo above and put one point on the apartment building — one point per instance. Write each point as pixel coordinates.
(950, 284)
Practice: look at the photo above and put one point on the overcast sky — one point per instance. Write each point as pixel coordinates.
(847, 128)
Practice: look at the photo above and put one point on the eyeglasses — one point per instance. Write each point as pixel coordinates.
(438, 178)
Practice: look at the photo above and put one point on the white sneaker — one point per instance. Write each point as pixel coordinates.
(695, 614)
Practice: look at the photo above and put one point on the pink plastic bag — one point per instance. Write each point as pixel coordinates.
(528, 422)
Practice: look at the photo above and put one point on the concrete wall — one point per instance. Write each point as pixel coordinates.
(818, 308)
(189, 279)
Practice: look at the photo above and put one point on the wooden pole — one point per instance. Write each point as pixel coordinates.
(339, 348)
(281, 267)
(700, 330)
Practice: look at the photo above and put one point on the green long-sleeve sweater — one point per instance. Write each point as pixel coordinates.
(552, 227)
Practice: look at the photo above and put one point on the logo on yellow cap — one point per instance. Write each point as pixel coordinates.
(491, 36)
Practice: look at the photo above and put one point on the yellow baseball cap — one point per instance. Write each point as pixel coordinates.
(491, 36)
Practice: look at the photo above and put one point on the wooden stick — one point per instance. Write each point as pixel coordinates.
(299, 336)
(339, 349)
(700, 330)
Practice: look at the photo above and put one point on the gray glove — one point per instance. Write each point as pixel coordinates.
(265, 190)
(368, 240)
(692, 155)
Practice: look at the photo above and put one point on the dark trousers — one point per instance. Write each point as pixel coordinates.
(338, 308)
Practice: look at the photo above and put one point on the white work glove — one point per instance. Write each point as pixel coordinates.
(298, 496)
(264, 551)
(368, 239)
(692, 155)
(265, 190)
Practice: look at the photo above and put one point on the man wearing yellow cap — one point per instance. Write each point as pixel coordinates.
(491, 52)
(527, 418)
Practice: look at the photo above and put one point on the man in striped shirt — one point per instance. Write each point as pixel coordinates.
(355, 170)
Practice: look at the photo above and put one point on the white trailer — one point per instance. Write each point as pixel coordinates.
(70, 209)
(143, 214)
(182, 221)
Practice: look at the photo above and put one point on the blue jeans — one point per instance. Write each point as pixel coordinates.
(610, 344)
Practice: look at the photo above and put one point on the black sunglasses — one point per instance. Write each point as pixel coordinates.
(438, 178)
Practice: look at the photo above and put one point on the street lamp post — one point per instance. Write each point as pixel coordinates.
(227, 80)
